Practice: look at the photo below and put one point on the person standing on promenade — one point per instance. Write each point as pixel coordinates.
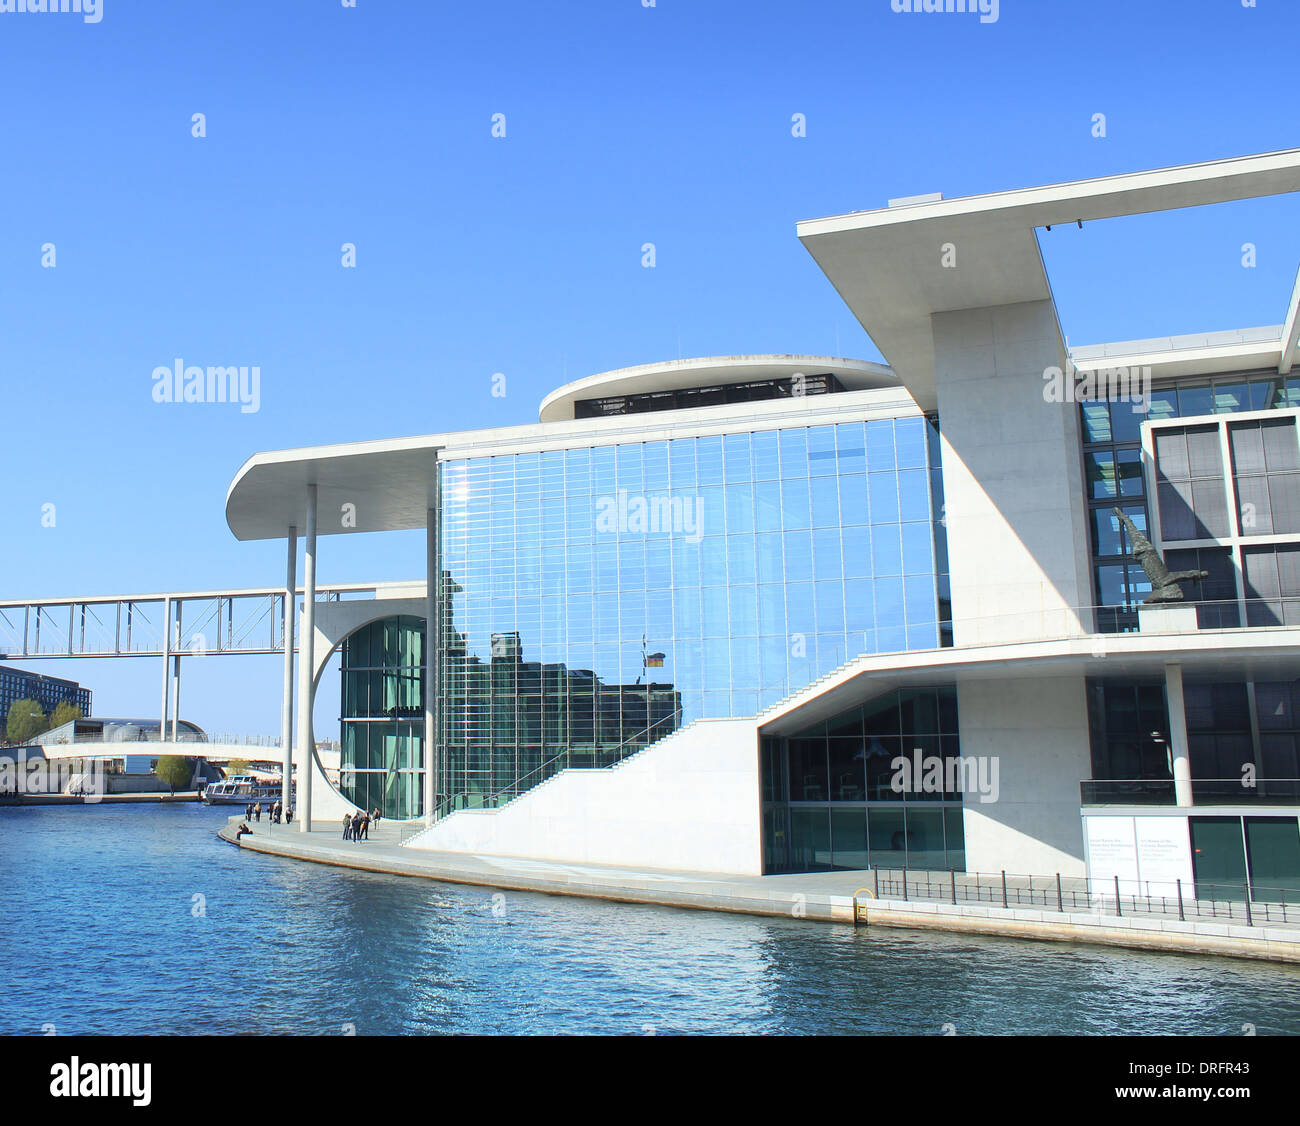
(356, 825)
(257, 812)
(365, 826)
(347, 826)
(288, 816)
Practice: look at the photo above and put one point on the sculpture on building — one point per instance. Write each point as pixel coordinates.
(1164, 582)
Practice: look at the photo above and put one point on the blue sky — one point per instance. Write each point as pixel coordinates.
(522, 255)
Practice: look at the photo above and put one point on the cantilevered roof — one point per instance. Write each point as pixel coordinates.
(389, 484)
(888, 266)
(675, 375)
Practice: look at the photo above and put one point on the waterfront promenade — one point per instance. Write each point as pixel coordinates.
(816, 896)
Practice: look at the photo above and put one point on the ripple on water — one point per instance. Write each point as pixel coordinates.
(100, 909)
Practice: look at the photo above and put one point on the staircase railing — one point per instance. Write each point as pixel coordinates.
(494, 799)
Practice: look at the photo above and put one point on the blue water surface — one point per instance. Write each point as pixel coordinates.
(138, 919)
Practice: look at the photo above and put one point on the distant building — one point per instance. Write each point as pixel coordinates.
(110, 730)
(48, 691)
(122, 748)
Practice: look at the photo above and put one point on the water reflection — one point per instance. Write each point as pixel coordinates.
(106, 895)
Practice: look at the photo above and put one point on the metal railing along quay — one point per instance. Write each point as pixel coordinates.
(1245, 902)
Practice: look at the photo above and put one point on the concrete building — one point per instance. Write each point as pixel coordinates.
(761, 614)
(48, 691)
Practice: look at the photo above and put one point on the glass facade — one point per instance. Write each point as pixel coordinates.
(836, 795)
(381, 726)
(597, 598)
(1243, 742)
(1236, 856)
(1191, 485)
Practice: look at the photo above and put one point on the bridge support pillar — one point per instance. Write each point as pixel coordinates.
(166, 667)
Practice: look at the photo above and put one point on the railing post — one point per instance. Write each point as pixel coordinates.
(1004, 888)
(875, 881)
(953, 877)
(1249, 921)
(1060, 905)
(904, 885)
(1118, 909)
(1179, 884)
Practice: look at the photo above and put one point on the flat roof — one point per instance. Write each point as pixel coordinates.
(1207, 655)
(389, 483)
(710, 371)
(887, 263)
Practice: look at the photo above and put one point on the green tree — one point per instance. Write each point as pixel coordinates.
(174, 770)
(64, 712)
(237, 766)
(25, 722)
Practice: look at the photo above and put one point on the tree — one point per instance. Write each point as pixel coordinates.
(64, 712)
(174, 770)
(25, 722)
(237, 766)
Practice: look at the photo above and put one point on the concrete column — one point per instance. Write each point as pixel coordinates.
(1178, 750)
(432, 648)
(176, 676)
(166, 667)
(1018, 542)
(286, 702)
(306, 660)
(176, 696)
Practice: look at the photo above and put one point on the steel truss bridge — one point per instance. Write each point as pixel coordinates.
(171, 624)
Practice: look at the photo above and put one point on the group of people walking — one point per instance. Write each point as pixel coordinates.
(356, 826)
(274, 812)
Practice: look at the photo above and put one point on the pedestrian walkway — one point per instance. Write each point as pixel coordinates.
(833, 897)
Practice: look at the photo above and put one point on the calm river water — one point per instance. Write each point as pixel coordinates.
(103, 933)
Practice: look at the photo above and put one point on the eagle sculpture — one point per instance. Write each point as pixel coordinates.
(1164, 582)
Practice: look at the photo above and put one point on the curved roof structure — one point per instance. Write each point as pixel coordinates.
(711, 371)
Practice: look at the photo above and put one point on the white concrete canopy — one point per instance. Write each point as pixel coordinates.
(1171, 357)
(888, 264)
(389, 482)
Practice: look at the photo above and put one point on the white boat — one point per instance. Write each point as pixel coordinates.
(242, 789)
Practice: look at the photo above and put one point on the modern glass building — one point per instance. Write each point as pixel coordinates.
(791, 613)
(598, 597)
(747, 563)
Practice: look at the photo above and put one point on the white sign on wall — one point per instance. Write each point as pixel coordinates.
(1148, 854)
(1112, 850)
(1164, 852)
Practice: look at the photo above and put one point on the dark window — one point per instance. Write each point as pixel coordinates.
(689, 397)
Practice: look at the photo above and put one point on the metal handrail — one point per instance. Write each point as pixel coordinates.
(1248, 902)
(491, 799)
(1092, 791)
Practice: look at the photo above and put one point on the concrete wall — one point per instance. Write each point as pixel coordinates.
(1012, 475)
(690, 803)
(1038, 731)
